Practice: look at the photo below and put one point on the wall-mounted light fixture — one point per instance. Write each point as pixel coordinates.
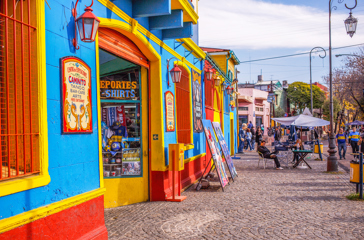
(229, 90)
(209, 74)
(217, 81)
(87, 23)
(176, 72)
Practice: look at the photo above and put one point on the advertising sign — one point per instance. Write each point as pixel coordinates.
(76, 96)
(197, 101)
(170, 119)
(215, 152)
(225, 149)
(122, 86)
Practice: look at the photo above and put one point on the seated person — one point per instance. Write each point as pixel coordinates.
(298, 146)
(267, 154)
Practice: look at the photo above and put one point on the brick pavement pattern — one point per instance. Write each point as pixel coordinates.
(260, 204)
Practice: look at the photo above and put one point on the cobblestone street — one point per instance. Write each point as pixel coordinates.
(260, 204)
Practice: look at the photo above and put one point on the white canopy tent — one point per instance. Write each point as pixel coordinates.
(303, 120)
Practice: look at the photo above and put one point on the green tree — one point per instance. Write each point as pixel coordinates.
(278, 112)
(326, 109)
(299, 93)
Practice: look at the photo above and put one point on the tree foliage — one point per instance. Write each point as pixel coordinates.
(279, 112)
(299, 93)
(348, 83)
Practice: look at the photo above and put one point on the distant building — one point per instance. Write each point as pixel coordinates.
(323, 88)
(253, 106)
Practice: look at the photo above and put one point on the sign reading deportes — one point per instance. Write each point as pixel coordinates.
(123, 86)
(76, 96)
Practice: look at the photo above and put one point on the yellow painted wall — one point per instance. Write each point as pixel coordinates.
(124, 191)
(220, 60)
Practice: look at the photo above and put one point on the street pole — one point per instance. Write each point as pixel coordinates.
(311, 73)
(332, 165)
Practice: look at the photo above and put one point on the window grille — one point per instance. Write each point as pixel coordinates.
(19, 136)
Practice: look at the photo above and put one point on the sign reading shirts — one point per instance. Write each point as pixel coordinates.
(215, 152)
(197, 101)
(169, 98)
(225, 149)
(76, 96)
(123, 86)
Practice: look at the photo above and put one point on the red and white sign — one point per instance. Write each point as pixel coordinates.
(120, 115)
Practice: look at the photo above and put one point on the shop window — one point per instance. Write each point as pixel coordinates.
(209, 93)
(121, 116)
(19, 115)
(183, 107)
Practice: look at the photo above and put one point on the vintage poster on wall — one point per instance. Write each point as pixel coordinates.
(215, 152)
(197, 101)
(170, 119)
(76, 96)
(225, 149)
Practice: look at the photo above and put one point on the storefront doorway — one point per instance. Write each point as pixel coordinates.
(124, 119)
(258, 121)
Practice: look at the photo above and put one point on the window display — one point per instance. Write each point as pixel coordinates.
(120, 116)
(121, 139)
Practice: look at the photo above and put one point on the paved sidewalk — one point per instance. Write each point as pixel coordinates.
(260, 204)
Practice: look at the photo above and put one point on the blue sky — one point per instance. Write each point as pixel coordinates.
(257, 29)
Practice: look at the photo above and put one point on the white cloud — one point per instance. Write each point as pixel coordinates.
(254, 24)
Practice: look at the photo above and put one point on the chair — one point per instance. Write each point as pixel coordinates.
(262, 158)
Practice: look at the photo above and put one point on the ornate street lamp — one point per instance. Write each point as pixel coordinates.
(350, 25)
(176, 72)
(87, 23)
(332, 165)
(209, 73)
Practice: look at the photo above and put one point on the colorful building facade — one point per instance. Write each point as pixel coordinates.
(253, 107)
(89, 128)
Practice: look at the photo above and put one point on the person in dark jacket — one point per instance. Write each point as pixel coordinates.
(242, 138)
(258, 136)
(267, 154)
(277, 135)
(253, 137)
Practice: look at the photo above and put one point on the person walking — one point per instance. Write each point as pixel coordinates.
(341, 142)
(277, 135)
(258, 137)
(250, 125)
(262, 128)
(253, 137)
(248, 139)
(354, 137)
(241, 138)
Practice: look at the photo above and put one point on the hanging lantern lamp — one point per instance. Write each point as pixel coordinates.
(209, 73)
(350, 25)
(176, 74)
(217, 81)
(87, 24)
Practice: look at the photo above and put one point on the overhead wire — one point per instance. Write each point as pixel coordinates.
(299, 54)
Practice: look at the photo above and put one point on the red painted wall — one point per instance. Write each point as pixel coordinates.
(84, 221)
